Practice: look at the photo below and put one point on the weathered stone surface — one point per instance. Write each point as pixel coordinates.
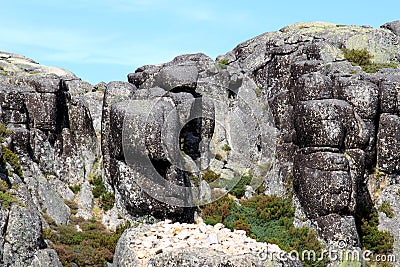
(23, 236)
(322, 182)
(334, 123)
(393, 26)
(388, 145)
(312, 86)
(115, 92)
(53, 203)
(85, 202)
(46, 258)
(177, 76)
(328, 123)
(76, 86)
(42, 109)
(334, 228)
(363, 96)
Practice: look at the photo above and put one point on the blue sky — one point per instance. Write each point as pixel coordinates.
(104, 40)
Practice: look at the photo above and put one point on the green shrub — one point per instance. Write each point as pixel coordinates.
(93, 246)
(226, 148)
(107, 199)
(3, 186)
(75, 188)
(379, 242)
(4, 132)
(387, 209)
(359, 57)
(6, 197)
(210, 176)
(224, 61)
(266, 219)
(6, 200)
(222, 64)
(122, 227)
(13, 160)
(217, 211)
(240, 188)
(362, 58)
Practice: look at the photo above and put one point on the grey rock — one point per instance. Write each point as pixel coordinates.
(53, 203)
(393, 26)
(333, 228)
(46, 258)
(24, 231)
(177, 76)
(115, 92)
(388, 144)
(76, 86)
(312, 86)
(124, 254)
(363, 96)
(41, 83)
(329, 123)
(42, 110)
(205, 257)
(85, 202)
(322, 182)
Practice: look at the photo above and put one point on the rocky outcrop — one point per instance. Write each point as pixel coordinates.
(174, 121)
(327, 111)
(285, 108)
(52, 134)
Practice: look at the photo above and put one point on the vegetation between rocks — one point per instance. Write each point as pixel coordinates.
(83, 242)
(9, 156)
(379, 242)
(362, 58)
(223, 63)
(210, 176)
(75, 188)
(106, 199)
(6, 198)
(266, 219)
(387, 209)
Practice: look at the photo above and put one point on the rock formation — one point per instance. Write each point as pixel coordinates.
(286, 108)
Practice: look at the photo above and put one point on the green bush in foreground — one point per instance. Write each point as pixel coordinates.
(266, 219)
(93, 246)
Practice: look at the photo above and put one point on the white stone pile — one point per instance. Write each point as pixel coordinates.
(166, 236)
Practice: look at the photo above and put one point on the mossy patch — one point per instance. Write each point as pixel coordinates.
(210, 176)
